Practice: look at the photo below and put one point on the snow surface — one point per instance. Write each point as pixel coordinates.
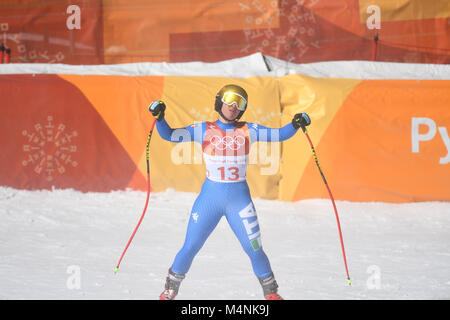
(248, 66)
(360, 69)
(46, 235)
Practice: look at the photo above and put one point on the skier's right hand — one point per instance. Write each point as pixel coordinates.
(157, 108)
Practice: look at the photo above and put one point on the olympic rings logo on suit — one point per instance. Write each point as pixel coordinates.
(227, 142)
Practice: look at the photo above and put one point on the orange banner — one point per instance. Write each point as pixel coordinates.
(122, 31)
(52, 31)
(377, 140)
(58, 136)
(387, 140)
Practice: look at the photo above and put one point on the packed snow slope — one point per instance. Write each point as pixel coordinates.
(64, 244)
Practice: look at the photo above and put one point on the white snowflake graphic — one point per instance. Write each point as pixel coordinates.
(49, 149)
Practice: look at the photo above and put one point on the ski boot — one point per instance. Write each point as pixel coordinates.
(172, 285)
(270, 287)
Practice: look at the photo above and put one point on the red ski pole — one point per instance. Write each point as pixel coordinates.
(147, 156)
(332, 200)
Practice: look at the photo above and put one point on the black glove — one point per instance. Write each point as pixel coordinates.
(157, 108)
(301, 120)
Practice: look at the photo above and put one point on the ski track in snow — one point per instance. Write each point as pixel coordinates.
(394, 251)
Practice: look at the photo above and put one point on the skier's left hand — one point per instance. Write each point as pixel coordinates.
(301, 120)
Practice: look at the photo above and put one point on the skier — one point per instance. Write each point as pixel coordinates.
(225, 144)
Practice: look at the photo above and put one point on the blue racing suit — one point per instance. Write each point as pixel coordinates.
(225, 191)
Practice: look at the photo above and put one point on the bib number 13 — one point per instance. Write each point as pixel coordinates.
(229, 173)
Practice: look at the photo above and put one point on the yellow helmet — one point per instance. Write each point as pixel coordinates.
(232, 94)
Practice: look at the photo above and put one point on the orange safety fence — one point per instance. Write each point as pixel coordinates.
(376, 140)
(299, 31)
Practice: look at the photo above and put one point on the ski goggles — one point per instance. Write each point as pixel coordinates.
(230, 98)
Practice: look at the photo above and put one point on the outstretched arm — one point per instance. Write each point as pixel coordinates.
(262, 133)
(193, 132)
(187, 134)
